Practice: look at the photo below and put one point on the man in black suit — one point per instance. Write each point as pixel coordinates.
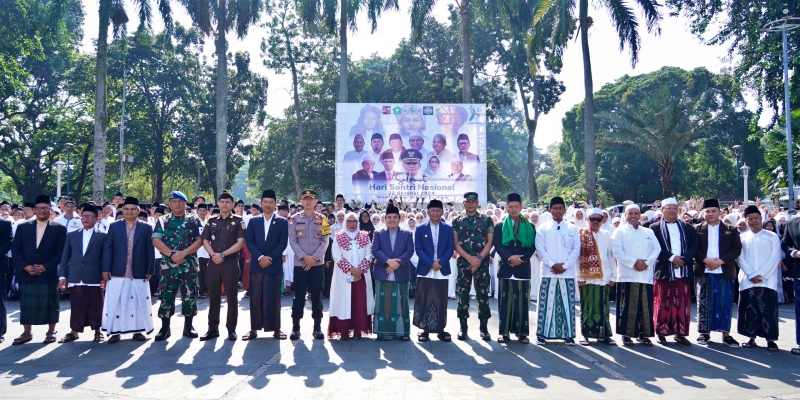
(37, 249)
(267, 237)
(5, 246)
(715, 271)
(81, 269)
(129, 261)
(388, 173)
(791, 247)
(672, 276)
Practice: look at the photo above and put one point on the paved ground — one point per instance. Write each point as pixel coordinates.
(366, 369)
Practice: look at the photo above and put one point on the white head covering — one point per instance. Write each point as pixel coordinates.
(631, 206)
(669, 201)
(595, 211)
(351, 235)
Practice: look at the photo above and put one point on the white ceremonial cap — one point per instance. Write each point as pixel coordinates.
(669, 201)
(616, 219)
(595, 211)
(416, 134)
(366, 157)
(631, 206)
(627, 202)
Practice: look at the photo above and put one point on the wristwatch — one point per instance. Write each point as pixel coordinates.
(480, 257)
(222, 255)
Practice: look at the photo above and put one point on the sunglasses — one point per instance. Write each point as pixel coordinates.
(596, 219)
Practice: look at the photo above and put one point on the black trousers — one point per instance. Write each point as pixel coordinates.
(226, 273)
(3, 317)
(310, 281)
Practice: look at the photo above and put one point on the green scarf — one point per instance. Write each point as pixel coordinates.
(525, 234)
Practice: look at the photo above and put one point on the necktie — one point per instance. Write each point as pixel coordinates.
(389, 175)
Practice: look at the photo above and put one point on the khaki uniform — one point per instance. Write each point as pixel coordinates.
(222, 233)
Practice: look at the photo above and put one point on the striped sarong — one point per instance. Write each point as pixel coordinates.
(634, 309)
(391, 315)
(714, 303)
(556, 309)
(595, 310)
(513, 306)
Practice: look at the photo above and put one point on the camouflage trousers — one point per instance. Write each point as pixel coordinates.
(464, 283)
(176, 277)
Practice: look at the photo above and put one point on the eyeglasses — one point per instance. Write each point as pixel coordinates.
(47, 208)
(596, 219)
(87, 216)
(352, 222)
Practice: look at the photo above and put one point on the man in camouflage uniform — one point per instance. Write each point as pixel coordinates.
(177, 237)
(473, 232)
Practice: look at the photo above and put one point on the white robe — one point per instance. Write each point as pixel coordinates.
(339, 305)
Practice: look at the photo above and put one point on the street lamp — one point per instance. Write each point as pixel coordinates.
(745, 174)
(783, 25)
(68, 147)
(59, 167)
(737, 149)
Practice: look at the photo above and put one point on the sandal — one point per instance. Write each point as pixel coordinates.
(609, 341)
(795, 351)
(703, 338)
(645, 341)
(98, 337)
(503, 339)
(444, 336)
(730, 341)
(584, 342)
(750, 344)
(50, 337)
(662, 340)
(627, 341)
(22, 339)
(277, 335)
(771, 346)
(524, 339)
(252, 335)
(682, 340)
(404, 338)
(423, 337)
(69, 337)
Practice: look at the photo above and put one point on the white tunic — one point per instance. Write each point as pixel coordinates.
(629, 244)
(760, 255)
(557, 242)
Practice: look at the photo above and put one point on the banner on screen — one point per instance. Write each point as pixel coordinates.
(410, 150)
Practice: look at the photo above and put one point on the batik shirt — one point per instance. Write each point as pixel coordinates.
(473, 232)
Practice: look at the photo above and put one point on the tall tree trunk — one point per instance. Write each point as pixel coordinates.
(666, 170)
(533, 192)
(588, 117)
(221, 98)
(299, 115)
(466, 60)
(100, 111)
(343, 45)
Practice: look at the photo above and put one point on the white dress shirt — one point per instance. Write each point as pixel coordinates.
(760, 255)
(713, 246)
(202, 252)
(558, 242)
(267, 223)
(675, 244)
(435, 236)
(629, 244)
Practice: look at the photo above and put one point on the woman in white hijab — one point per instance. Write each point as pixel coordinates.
(376, 221)
(580, 219)
(339, 225)
(351, 301)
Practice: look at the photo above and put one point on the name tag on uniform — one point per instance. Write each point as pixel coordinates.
(213, 225)
(213, 237)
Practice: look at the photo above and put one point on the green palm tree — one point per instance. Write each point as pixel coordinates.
(560, 14)
(112, 12)
(325, 11)
(224, 15)
(661, 126)
(420, 10)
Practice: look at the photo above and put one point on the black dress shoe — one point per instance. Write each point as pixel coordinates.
(232, 336)
(209, 335)
(113, 339)
(294, 335)
(318, 335)
(139, 337)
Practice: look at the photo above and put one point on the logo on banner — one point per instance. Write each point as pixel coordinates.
(473, 112)
(397, 110)
(387, 110)
(427, 110)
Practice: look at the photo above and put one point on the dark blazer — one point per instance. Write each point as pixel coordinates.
(273, 247)
(380, 177)
(790, 242)
(115, 250)
(6, 239)
(77, 267)
(514, 248)
(382, 251)
(661, 271)
(423, 242)
(362, 176)
(25, 253)
(730, 246)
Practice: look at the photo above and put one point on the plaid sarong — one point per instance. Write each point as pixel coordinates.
(38, 303)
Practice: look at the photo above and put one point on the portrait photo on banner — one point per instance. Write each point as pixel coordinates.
(410, 150)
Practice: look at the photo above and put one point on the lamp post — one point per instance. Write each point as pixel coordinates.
(69, 147)
(745, 173)
(737, 149)
(59, 168)
(122, 133)
(784, 25)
